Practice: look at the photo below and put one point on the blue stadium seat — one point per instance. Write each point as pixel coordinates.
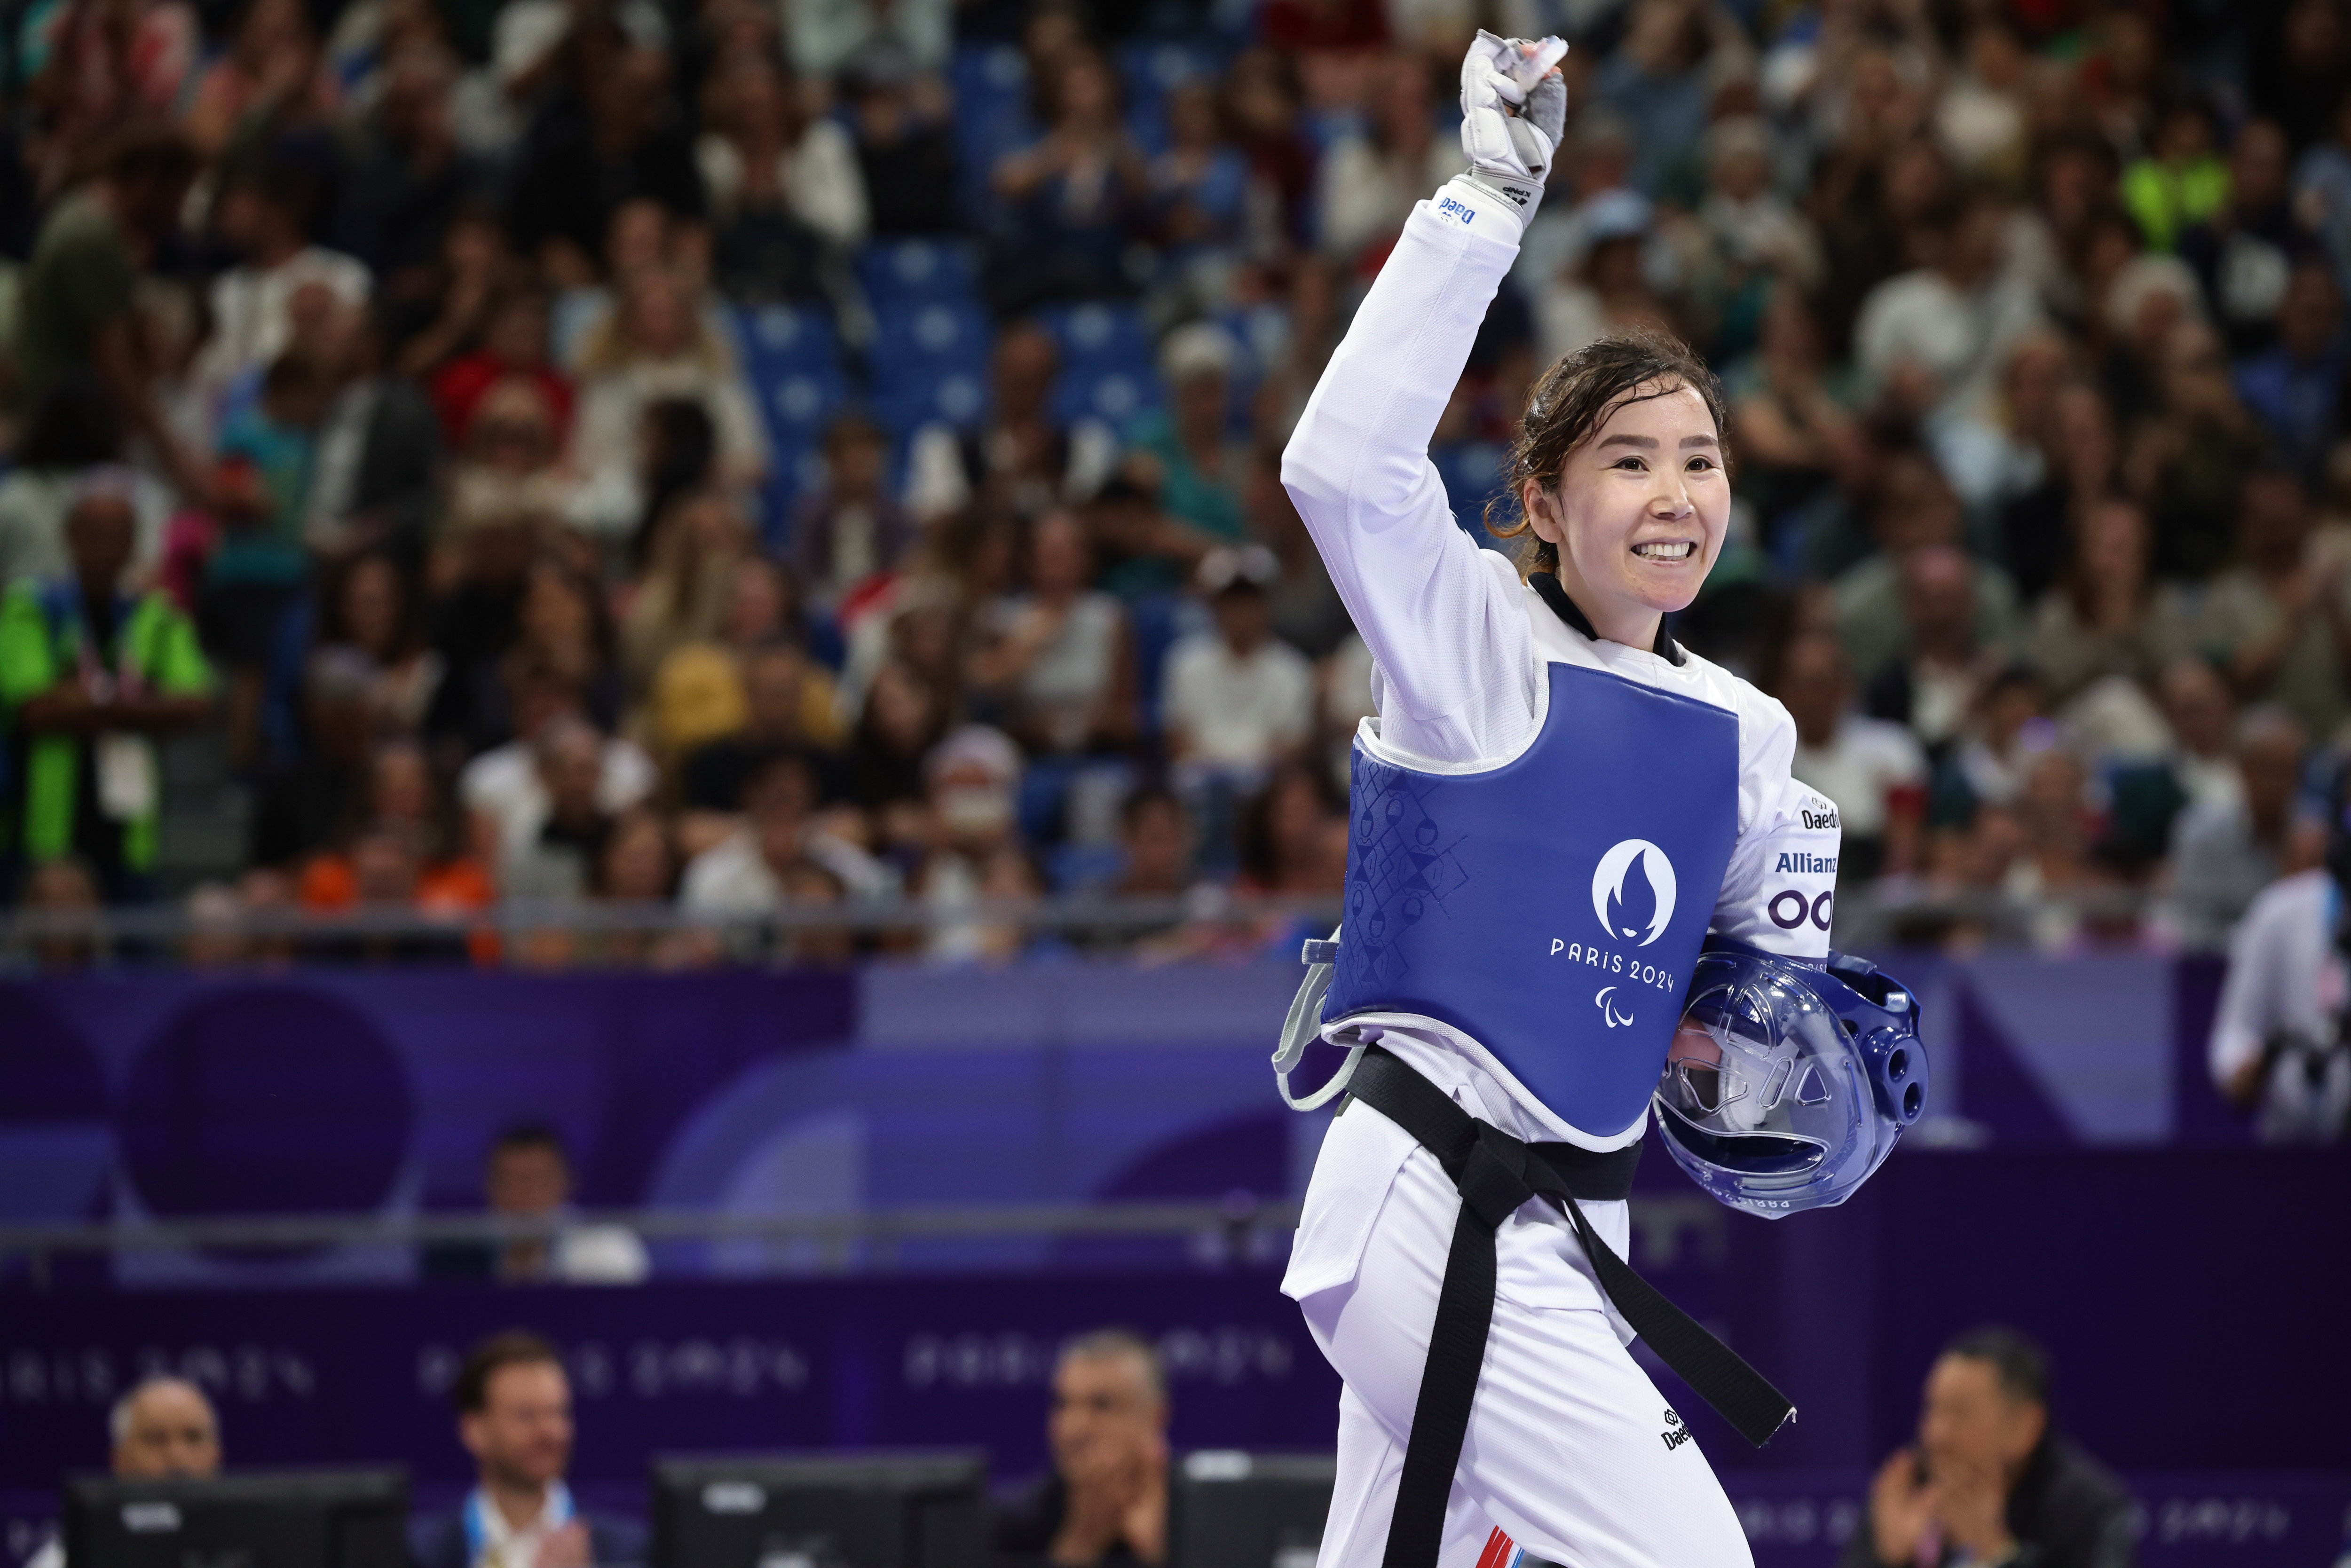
(1099, 333)
(1112, 393)
(900, 273)
(991, 85)
(930, 362)
(773, 339)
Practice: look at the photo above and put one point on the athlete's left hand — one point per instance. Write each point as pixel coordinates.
(1510, 154)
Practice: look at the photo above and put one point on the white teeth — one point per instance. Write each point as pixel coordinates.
(1678, 549)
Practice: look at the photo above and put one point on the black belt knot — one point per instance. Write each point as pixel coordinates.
(1496, 1172)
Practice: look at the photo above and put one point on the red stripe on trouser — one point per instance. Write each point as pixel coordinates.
(1498, 1547)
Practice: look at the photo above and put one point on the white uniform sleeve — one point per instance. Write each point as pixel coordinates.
(1456, 680)
(2256, 981)
(1779, 891)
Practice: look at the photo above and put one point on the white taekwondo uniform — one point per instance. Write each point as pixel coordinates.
(1572, 1455)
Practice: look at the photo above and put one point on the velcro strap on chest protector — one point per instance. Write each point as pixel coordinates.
(1496, 1172)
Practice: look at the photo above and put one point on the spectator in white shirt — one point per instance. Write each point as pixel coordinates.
(1237, 700)
(261, 215)
(506, 785)
(755, 870)
(1936, 335)
(1875, 772)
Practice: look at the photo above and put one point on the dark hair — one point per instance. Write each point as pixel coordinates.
(75, 425)
(2020, 1366)
(1110, 1344)
(156, 152)
(1146, 797)
(532, 1134)
(515, 1347)
(1259, 855)
(1574, 398)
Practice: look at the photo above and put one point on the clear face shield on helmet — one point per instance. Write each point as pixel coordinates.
(1787, 1084)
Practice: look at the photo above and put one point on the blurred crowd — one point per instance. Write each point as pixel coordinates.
(736, 457)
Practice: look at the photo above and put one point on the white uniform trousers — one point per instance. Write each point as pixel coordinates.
(1572, 1454)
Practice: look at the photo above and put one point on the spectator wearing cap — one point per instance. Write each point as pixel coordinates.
(2223, 852)
(975, 851)
(1602, 285)
(1058, 661)
(163, 1427)
(513, 1417)
(91, 675)
(1748, 236)
(1188, 456)
(1989, 1478)
(1235, 701)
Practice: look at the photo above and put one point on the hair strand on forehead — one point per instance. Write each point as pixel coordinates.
(1570, 402)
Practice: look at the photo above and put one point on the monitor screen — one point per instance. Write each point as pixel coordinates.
(1232, 1509)
(844, 1511)
(295, 1519)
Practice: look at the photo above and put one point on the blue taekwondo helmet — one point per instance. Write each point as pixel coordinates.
(1787, 1082)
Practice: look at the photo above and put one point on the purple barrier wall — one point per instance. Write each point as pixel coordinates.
(183, 1094)
(2184, 1296)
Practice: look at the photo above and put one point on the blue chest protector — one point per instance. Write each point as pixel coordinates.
(1549, 909)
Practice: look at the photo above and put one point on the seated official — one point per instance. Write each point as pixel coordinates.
(514, 1415)
(1989, 1482)
(527, 1175)
(1106, 1501)
(164, 1428)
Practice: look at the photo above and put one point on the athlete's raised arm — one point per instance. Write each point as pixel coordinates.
(1449, 640)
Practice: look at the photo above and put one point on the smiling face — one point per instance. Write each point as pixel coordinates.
(1638, 513)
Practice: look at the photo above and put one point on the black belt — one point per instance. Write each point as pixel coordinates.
(1496, 1172)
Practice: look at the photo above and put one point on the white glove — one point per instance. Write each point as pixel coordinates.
(1510, 154)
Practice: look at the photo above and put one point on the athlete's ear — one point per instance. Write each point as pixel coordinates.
(1541, 510)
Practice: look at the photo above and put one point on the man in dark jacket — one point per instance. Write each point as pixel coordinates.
(1105, 1503)
(514, 1415)
(1989, 1482)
